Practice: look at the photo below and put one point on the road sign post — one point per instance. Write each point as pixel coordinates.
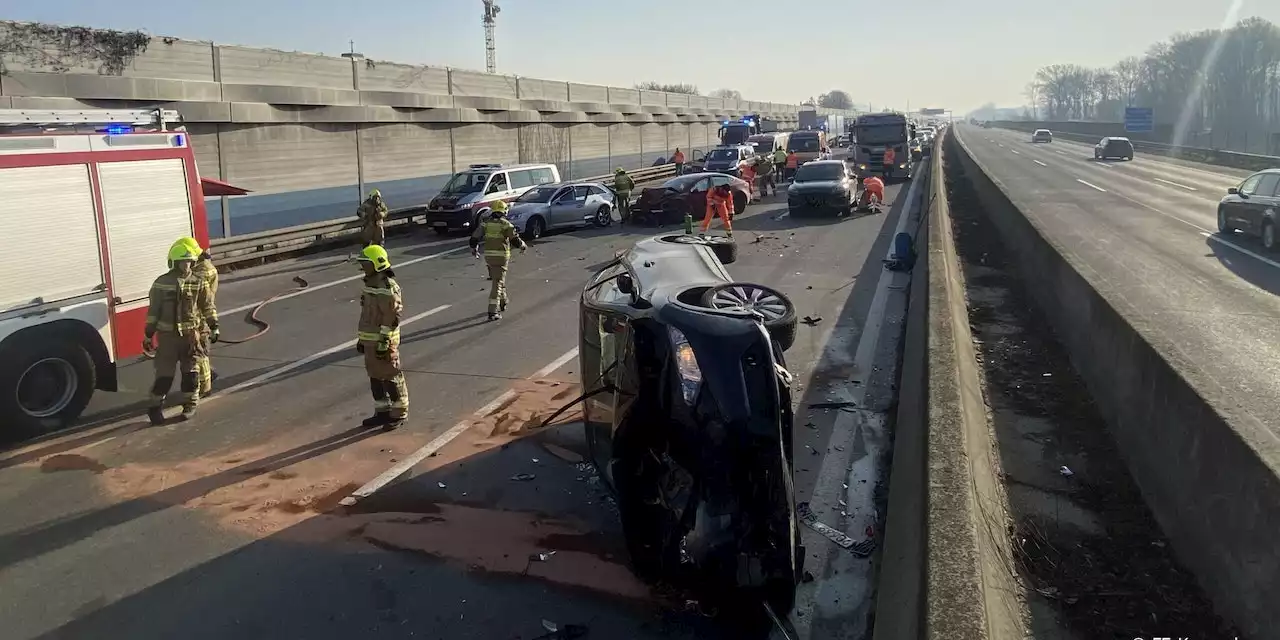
(1139, 120)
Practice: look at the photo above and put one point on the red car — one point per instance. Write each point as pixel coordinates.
(668, 203)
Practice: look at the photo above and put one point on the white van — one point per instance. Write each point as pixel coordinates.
(469, 194)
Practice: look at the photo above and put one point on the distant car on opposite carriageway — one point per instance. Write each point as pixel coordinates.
(1042, 135)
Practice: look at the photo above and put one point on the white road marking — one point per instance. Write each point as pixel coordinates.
(439, 442)
(1061, 153)
(350, 344)
(1040, 163)
(1253, 254)
(1016, 151)
(1094, 186)
(1170, 182)
(844, 584)
(1001, 145)
(319, 287)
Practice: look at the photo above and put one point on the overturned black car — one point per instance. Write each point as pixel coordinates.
(689, 419)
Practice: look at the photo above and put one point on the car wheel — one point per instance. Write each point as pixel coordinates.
(1268, 236)
(604, 217)
(1224, 227)
(778, 311)
(739, 204)
(535, 228)
(45, 385)
(725, 249)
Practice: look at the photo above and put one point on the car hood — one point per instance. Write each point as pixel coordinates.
(657, 194)
(527, 208)
(803, 188)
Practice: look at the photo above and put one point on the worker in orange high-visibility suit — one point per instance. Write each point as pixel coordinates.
(872, 189)
(719, 203)
(890, 161)
(793, 163)
(677, 159)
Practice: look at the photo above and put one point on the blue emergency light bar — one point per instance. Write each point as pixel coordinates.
(117, 129)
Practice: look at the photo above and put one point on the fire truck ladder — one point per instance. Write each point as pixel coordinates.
(34, 118)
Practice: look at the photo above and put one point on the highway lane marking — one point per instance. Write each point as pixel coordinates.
(1220, 240)
(318, 287)
(1170, 182)
(843, 591)
(1093, 186)
(350, 344)
(1061, 153)
(439, 442)
(1016, 151)
(1040, 163)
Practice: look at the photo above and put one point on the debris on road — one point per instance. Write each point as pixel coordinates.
(522, 477)
(561, 632)
(1066, 471)
(811, 520)
(562, 453)
(811, 320)
(542, 556)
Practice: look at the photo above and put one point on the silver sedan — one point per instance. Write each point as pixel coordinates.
(561, 206)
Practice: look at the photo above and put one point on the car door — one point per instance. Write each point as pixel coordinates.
(562, 207)
(576, 209)
(1260, 205)
(1238, 206)
(605, 355)
(696, 199)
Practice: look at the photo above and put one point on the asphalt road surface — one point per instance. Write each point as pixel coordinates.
(1146, 230)
(230, 525)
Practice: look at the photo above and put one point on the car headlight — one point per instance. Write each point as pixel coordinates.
(686, 365)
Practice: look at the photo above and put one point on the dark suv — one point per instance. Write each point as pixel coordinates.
(689, 420)
(1113, 148)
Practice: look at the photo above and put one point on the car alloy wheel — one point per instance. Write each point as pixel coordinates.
(747, 297)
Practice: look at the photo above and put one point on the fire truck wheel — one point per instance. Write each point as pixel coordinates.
(45, 385)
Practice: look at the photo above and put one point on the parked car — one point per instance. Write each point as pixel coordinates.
(1113, 148)
(822, 187)
(562, 206)
(689, 423)
(1252, 208)
(469, 194)
(669, 202)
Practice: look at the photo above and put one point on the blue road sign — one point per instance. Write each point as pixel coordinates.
(1139, 120)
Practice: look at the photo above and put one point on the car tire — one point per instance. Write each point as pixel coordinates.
(604, 216)
(725, 249)
(739, 204)
(780, 320)
(534, 228)
(1224, 227)
(1268, 236)
(74, 377)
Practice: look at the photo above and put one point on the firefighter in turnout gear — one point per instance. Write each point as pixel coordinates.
(497, 235)
(373, 213)
(623, 185)
(204, 270)
(378, 339)
(180, 307)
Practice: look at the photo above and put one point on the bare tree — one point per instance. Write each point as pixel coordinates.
(1216, 87)
(835, 99)
(731, 94)
(650, 85)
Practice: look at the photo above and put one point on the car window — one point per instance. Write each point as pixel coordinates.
(543, 175)
(599, 190)
(1250, 185)
(522, 179)
(564, 195)
(581, 192)
(1267, 187)
(721, 180)
(497, 183)
(700, 186)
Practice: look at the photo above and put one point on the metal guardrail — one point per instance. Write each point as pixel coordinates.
(265, 244)
(1220, 157)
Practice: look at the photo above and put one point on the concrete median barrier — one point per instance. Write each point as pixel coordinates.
(1208, 472)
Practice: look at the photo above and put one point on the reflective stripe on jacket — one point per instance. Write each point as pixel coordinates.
(497, 236)
(380, 309)
(179, 304)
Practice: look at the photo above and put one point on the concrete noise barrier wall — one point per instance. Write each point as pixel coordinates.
(1210, 481)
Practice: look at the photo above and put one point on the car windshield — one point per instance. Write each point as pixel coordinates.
(681, 183)
(803, 144)
(763, 146)
(721, 155)
(539, 194)
(466, 182)
(819, 173)
(881, 133)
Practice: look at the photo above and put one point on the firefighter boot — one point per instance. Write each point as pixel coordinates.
(155, 415)
(155, 412)
(378, 419)
(191, 393)
(398, 395)
(381, 405)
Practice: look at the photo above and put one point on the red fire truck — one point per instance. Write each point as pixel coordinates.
(90, 202)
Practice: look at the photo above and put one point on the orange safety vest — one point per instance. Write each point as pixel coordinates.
(678, 158)
(793, 160)
(889, 155)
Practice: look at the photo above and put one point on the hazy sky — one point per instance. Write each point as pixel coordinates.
(941, 53)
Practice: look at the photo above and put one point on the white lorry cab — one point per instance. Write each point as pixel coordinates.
(90, 202)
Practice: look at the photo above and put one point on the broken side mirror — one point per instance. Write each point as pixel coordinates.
(1232, 191)
(626, 285)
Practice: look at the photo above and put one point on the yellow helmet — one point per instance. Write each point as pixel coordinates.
(180, 251)
(500, 206)
(374, 193)
(377, 255)
(190, 243)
